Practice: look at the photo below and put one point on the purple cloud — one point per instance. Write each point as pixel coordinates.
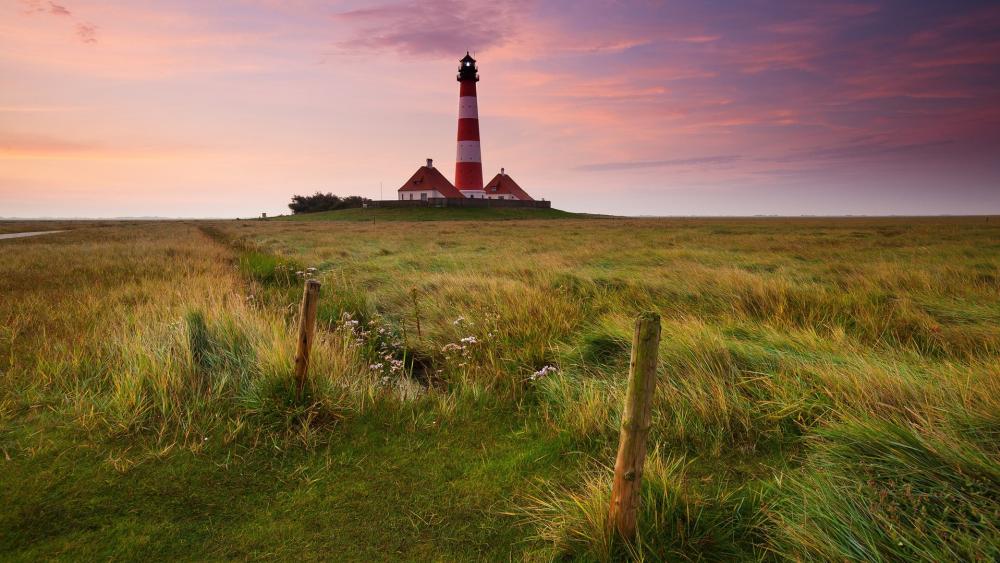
(39, 7)
(869, 149)
(58, 10)
(435, 27)
(633, 165)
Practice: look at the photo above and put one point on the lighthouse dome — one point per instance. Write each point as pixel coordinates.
(467, 68)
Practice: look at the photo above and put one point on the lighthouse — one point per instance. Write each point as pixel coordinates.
(428, 186)
(468, 160)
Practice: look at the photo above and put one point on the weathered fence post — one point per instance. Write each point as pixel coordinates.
(635, 426)
(416, 309)
(307, 329)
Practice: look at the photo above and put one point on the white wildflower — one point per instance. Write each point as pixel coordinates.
(542, 373)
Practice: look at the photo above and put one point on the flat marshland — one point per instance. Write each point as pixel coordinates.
(829, 389)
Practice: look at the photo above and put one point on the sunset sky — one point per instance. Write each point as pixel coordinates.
(693, 107)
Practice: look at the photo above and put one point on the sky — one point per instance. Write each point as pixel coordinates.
(227, 108)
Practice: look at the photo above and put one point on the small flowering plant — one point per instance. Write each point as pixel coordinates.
(545, 371)
(379, 341)
(459, 354)
(472, 349)
(306, 274)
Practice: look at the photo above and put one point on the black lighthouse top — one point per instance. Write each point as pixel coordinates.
(467, 69)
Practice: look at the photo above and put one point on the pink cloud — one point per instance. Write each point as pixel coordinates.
(58, 10)
(87, 32)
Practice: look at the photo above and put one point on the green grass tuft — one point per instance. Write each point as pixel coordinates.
(269, 269)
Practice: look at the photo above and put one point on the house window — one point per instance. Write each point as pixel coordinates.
(423, 196)
(411, 196)
(501, 197)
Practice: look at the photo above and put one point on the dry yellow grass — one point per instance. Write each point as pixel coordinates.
(97, 323)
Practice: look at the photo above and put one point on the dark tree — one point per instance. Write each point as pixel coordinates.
(324, 202)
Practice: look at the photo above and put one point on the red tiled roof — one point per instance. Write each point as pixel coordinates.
(503, 184)
(426, 179)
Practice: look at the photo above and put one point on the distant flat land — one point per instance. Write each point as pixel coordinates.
(432, 214)
(828, 388)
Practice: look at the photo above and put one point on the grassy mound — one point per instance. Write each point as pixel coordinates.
(434, 214)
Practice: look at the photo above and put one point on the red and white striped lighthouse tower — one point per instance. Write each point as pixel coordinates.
(468, 161)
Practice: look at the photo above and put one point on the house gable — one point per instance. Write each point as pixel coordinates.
(503, 185)
(428, 179)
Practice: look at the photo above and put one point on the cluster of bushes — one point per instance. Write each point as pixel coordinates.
(324, 202)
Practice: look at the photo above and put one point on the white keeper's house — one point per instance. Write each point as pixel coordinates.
(427, 183)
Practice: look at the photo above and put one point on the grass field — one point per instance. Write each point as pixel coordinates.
(829, 389)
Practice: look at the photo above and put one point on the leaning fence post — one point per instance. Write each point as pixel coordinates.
(307, 329)
(635, 426)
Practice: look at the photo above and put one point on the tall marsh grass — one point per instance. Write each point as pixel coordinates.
(136, 342)
(828, 389)
(676, 521)
(789, 349)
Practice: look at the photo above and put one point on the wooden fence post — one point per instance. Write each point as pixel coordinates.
(635, 426)
(416, 309)
(307, 329)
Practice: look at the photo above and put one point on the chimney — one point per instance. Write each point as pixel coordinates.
(501, 171)
(430, 163)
